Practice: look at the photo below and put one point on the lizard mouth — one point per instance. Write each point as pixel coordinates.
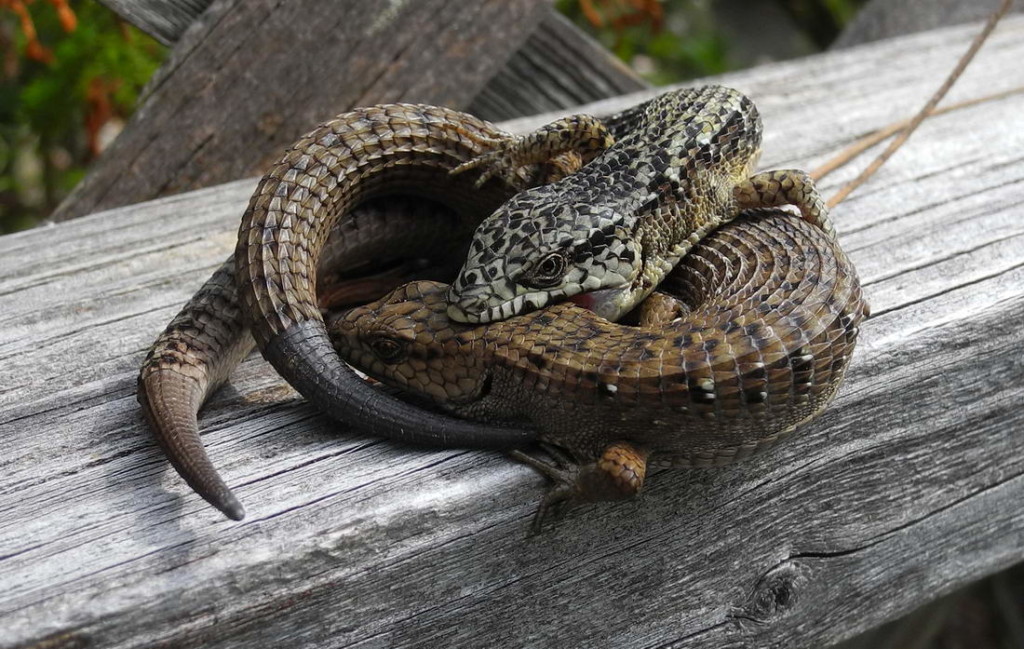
(606, 303)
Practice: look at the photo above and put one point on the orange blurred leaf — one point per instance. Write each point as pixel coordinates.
(65, 14)
(34, 49)
(620, 14)
(591, 13)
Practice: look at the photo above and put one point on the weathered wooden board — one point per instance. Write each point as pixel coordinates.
(887, 18)
(557, 67)
(909, 487)
(248, 78)
(164, 20)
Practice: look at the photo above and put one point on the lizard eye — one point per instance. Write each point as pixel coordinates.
(548, 272)
(388, 350)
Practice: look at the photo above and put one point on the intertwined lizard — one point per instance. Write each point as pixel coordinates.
(668, 172)
(771, 314)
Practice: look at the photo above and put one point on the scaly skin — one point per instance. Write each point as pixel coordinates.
(390, 148)
(208, 338)
(413, 149)
(672, 169)
(775, 308)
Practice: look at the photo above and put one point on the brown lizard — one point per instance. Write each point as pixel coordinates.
(771, 316)
(382, 245)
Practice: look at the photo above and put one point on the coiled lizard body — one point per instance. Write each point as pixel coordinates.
(392, 148)
(413, 149)
(771, 317)
(376, 250)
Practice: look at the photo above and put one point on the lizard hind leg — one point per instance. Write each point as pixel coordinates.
(785, 187)
(618, 474)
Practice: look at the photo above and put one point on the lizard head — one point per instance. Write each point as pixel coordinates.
(539, 248)
(406, 340)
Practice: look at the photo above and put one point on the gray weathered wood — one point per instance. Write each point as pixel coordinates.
(909, 487)
(557, 67)
(249, 77)
(232, 130)
(164, 20)
(887, 18)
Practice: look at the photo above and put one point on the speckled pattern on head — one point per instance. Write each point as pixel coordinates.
(680, 166)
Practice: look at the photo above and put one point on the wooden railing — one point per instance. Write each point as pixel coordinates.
(908, 487)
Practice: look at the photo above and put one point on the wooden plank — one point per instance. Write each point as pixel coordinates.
(887, 18)
(164, 20)
(250, 77)
(909, 487)
(556, 67)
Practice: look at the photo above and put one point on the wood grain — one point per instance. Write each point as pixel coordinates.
(248, 78)
(164, 20)
(880, 19)
(909, 487)
(557, 67)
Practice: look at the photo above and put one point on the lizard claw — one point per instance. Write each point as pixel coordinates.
(564, 472)
(498, 163)
(619, 473)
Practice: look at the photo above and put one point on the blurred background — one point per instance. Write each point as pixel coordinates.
(71, 71)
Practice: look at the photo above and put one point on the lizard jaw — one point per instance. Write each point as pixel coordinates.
(606, 303)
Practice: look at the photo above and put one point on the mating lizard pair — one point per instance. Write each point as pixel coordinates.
(746, 365)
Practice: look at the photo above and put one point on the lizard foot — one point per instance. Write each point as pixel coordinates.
(583, 135)
(785, 187)
(617, 474)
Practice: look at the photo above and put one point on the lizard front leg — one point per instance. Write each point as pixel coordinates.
(582, 135)
(659, 309)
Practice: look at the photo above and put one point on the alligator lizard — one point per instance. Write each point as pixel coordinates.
(669, 171)
(679, 167)
(773, 309)
(390, 148)
(207, 339)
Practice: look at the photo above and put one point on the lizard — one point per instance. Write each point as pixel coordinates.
(770, 317)
(424, 150)
(369, 151)
(382, 245)
(385, 149)
(668, 172)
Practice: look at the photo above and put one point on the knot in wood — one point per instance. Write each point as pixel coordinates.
(776, 592)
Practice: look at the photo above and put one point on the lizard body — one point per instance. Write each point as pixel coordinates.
(391, 148)
(208, 338)
(422, 150)
(666, 173)
(773, 312)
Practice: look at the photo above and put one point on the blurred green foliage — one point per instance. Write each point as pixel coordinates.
(688, 44)
(50, 111)
(684, 39)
